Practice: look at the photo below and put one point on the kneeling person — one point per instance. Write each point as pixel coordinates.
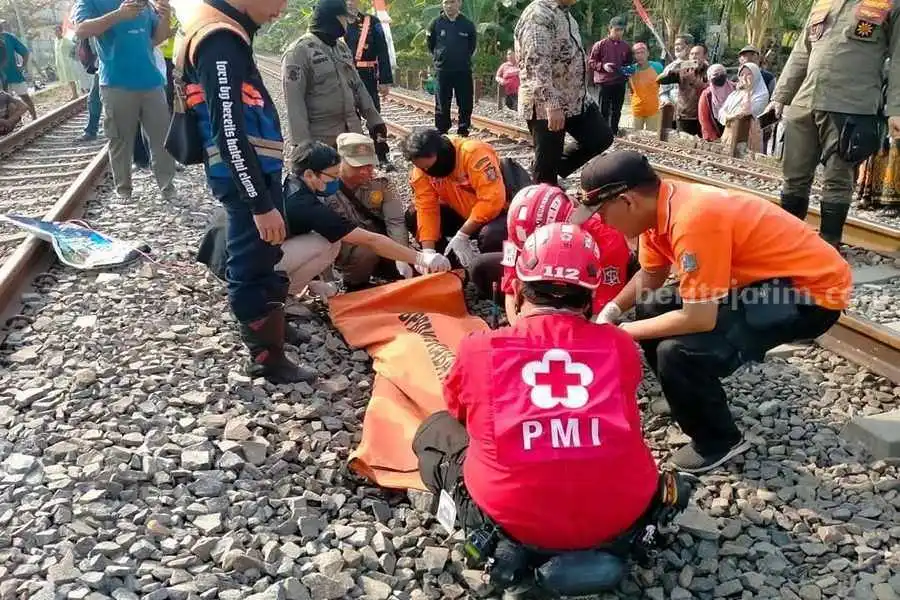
(316, 232)
(11, 112)
(551, 452)
(458, 193)
(751, 277)
(370, 203)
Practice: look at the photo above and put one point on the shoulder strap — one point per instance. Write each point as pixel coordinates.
(363, 34)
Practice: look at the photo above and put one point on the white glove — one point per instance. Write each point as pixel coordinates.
(429, 261)
(611, 313)
(609, 67)
(461, 246)
(404, 269)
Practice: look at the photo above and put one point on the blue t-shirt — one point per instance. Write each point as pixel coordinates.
(125, 49)
(9, 67)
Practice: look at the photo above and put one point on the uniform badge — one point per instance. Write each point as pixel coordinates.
(293, 73)
(376, 198)
(815, 31)
(491, 173)
(864, 30)
(688, 262)
(611, 276)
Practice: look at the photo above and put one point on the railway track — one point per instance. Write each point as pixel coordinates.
(856, 338)
(43, 174)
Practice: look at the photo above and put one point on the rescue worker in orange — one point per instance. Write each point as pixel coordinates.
(750, 277)
(541, 450)
(458, 194)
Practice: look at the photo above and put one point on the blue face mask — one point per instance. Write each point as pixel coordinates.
(331, 188)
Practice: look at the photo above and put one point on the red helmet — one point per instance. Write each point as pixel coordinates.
(561, 253)
(534, 206)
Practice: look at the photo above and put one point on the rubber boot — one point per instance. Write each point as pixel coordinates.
(381, 150)
(834, 216)
(796, 205)
(294, 335)
(265, 339)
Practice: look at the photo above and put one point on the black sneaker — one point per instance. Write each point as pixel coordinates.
(689, 460)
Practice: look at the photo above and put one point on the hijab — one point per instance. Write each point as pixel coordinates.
(718, 94)
(753, 100)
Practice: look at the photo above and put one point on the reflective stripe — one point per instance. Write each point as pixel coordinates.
(363, 34)
(365, 64)
(263, 143)
(215, 157)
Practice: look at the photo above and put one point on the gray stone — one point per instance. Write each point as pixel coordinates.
(374, 589)
(729, 588)
(238, 560)
(323, 588)
(434, 558)
(874, 274)
(208, 524)
(142, 549)
(884, 591)
(237, 429)
(293, 589)
(64, 571)
(810, 592)
(19, 463)
(698, 523)
(679, 593)
(196, 460)
(880, 434)
(329, 563)
(124, 594)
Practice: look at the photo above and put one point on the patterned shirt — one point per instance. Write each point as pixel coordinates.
(552, 61)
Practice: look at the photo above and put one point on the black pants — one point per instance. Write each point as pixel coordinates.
(689, 367)
(553, 158)
(486, 271)
(689, 126)
(449, 83)
(440, 444)
(170, 84)
(370, 80)
(490, 237)
(511, 101)
(612, 97)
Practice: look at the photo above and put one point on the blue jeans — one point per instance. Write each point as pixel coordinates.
(95, 107)
(253, 283)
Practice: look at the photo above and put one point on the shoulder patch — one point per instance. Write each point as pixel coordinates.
(293, 73)
(483, 162)
(689, 262)
(491, 173)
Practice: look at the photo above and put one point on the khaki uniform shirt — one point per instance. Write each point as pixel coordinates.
(377, 208)
(323, 92)
(837, 62)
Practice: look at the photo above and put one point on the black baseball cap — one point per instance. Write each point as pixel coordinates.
(617, 22)
(607, 176)
(333, 8)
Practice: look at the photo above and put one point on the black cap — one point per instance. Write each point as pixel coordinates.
(609, 175)
(618, 22)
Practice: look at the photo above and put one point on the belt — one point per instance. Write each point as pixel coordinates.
(366, 64)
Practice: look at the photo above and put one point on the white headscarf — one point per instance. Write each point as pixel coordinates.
(740, 101)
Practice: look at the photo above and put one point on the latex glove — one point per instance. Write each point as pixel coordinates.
(429, 261)
(461, 246)
(611, 313)
(404, 269)
(609, 67)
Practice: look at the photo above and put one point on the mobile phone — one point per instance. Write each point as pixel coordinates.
(767, 119)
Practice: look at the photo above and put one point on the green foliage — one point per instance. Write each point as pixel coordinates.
(495, 21)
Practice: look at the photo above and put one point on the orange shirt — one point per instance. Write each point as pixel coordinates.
(645, 90)
(719, 240)
(474, 189)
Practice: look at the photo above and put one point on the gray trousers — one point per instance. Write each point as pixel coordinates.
(125, 111)
(809, 135)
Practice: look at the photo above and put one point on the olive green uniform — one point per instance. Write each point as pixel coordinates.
(323, 92)
(835, 68)
(375, 208)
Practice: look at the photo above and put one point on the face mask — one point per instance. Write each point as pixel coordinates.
(331, 188)
(719, 80)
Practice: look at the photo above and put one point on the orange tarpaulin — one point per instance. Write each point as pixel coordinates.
(411, 329)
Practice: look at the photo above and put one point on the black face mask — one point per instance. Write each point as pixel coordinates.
(325, 24)
(445, 162)
(719, 80)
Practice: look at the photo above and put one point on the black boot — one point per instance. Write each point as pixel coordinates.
(265, 339)
(834, 216)
(796, 205)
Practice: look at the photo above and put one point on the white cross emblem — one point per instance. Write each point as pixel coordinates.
(555, 379)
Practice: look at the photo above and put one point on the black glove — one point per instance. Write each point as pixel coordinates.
(378, 133)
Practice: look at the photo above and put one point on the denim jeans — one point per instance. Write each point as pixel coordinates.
(253, 283)
(95, 107)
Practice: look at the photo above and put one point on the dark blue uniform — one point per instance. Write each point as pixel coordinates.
(373, 62)
(452, 43)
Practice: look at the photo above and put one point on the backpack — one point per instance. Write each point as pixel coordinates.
(86, 55)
